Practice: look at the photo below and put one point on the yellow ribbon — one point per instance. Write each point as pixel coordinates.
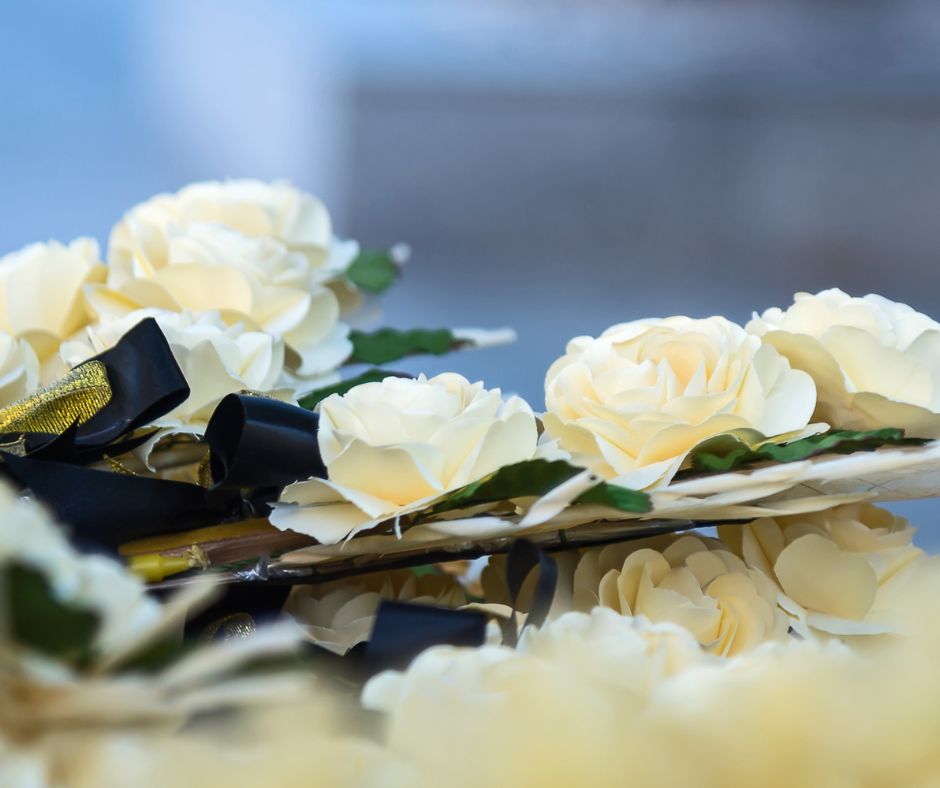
(54, 408)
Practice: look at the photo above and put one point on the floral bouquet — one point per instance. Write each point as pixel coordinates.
(237, 547)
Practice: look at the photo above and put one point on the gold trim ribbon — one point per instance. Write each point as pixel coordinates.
(54, 408)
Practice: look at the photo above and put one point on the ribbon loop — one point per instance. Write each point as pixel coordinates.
(524, 556)
(262, 442)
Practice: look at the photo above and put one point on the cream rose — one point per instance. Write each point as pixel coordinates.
(631, 404)
(392, 447)
(41, 294)
(876, 363)
(216, 359)
(728, 607)
(253, 208)
(19, 369)
(837, 572)
(338, 615)
(179, 252)
(596, 651)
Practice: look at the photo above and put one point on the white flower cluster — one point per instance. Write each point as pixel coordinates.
(245, 278)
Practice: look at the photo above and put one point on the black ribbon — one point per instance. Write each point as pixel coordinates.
(403, 630)
(146, 383)
(106, 508)
(261, 442)
(257, 445)
(524, 556)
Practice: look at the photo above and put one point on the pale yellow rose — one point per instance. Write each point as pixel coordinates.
(876, 363)
(253, 208)
(631, 404)
(393, 446)
(727, 606)
(256, 262)
(216, 359)
(837, 572)
(339, 614)
(19, 369)
(599, 650)
(41, 294)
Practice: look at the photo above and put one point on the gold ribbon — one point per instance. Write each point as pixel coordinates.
(235, 626)
(54, 408)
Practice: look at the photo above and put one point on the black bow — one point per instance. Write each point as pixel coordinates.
(256, 446)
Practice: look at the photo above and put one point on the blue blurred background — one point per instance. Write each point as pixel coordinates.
(556, 166)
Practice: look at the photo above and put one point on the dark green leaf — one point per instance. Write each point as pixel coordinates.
(533, 478)
(427, 569)
(311, 400)
(390, 344)
(726, 453)
(614, 497)
(373, 271)
(41, 621)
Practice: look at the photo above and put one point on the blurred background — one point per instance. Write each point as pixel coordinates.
(556, 166)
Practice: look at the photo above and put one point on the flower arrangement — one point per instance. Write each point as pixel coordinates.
(232, 538)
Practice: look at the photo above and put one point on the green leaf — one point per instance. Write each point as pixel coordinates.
(311, 400)
(391, 344)
(534, 478)
(615, 497)
(373, 271)
(725, 453)
(42, 622)
(426, 569)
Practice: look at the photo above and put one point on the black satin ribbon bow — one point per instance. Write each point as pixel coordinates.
(257, 445)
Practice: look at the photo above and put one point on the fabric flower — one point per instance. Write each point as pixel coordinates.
(41, 295)
(339, 614)
(252, 252)
(728, 607)
(837, 572)
(252, 208)
(393, 446)
(216, 359)
(622, 654)
(19, 369)
(876, 363)
(29, 538)
(631, 404)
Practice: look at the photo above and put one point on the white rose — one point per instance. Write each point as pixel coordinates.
(339, 614)
(253, 208)
(19, 369)
(41, 294)
(30, 538)
(631, 404)
(837, 572)
(600, 650)
(167, 254)
(392, 447)
(876, 363)
(607, 641)
(216, 359)
(728, 607)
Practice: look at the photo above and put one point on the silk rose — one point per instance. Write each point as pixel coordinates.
(42, 296)
(393, 446)
(258, 254)
(632, 403)
(876, 363)
(837, 572)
